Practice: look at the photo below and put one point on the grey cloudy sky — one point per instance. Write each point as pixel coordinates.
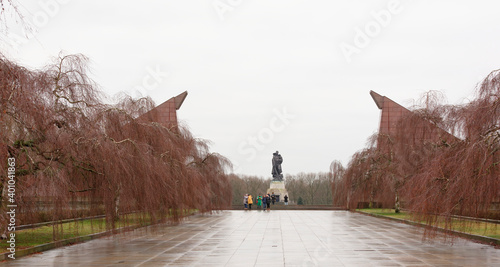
(263, 75)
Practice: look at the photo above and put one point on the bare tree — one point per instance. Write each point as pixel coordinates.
(337, 172)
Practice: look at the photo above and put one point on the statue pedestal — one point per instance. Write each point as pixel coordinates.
(278, 187)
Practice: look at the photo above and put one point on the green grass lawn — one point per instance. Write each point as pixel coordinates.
(387, 212)
(47, 234)
(477, 228)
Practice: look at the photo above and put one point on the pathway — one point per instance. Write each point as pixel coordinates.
(275, 238)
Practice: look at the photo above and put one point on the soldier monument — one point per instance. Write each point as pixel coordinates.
(277, 186)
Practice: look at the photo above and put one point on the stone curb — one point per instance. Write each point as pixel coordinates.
(479, 238)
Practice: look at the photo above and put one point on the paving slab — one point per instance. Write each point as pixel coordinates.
(275, 238)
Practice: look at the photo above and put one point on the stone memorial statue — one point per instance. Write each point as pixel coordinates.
(276, 172)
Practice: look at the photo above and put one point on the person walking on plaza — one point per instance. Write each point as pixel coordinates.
(245, 201)
(250, 202)
(264, 202)
(259, 201)
(268, 201)
(273, 198)
(286, 199)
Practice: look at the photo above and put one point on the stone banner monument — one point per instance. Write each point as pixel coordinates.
(277, 186)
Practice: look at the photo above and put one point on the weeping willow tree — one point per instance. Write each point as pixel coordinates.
(442, 160)
(339, 196)
(76, 156)
(364, 182)
(461, 176)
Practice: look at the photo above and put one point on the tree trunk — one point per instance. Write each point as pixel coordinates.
(397, 204)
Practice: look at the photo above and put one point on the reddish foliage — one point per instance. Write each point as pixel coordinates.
(77, 156)
(443, 160)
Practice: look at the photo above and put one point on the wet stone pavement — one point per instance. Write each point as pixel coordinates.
(275, 238)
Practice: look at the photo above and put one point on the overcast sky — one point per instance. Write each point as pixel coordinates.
(264, 75)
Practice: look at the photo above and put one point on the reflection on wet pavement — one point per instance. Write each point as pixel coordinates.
(276, 238)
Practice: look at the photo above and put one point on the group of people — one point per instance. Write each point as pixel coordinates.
(263, 201)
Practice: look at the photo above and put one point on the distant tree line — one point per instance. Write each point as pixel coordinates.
(303, 188)
(310, 188)
(247, 184)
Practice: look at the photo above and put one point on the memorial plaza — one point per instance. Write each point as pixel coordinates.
(272, 238)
